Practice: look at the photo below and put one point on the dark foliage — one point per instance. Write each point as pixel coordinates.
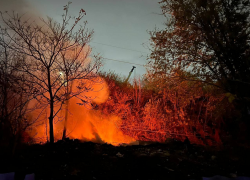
(71, 159)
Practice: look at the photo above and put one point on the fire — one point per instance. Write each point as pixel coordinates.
(84, 122)
(120, 114)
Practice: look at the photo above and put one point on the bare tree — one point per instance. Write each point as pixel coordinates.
(50, 69)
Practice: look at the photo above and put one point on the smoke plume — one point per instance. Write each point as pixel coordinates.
(22, 7)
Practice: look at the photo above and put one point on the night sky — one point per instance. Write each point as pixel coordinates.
(120, 23)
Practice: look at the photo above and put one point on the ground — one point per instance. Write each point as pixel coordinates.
(72, 159)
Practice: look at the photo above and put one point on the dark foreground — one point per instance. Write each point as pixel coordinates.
(75, 160)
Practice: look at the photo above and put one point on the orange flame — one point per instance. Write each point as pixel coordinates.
(84, 122)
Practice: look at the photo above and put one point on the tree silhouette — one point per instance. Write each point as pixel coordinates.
(45, 47)
(210, 39)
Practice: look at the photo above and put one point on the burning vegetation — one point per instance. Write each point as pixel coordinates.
(195, 91)
(85, 122)
(51, 88)
(116, 112)
(176, 110)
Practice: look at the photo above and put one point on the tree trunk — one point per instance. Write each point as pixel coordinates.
(66, 119)
(51, 128)
(51, 116)
(68, 91)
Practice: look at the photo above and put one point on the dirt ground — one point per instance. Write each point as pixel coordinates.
(72, 159)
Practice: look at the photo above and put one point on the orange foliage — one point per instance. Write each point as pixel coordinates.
(178, 112)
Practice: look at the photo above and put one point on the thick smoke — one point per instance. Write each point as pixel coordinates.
(22, 7)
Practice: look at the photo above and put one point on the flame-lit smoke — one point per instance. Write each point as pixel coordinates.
(21, 7)
(84, 122)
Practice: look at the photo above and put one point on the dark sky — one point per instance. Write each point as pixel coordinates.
(121, 23)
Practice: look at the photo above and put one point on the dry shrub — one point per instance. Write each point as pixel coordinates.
(173, 109)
